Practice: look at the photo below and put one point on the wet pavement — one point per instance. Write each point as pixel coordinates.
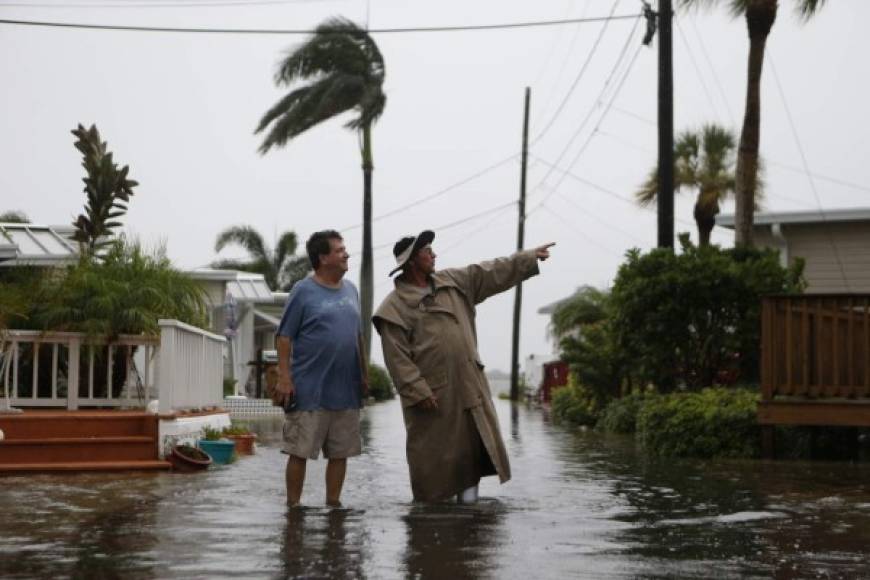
(581, 505)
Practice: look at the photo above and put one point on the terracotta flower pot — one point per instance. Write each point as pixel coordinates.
(244, 443)
(186, 459)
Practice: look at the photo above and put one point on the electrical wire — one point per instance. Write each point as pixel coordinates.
(592, 109)
(695, 66)
(809, 175)
(819, 176)
(600, 120)
(713, 71)
(438, 193)
(457, 28)
(578, 77)
(159, 4)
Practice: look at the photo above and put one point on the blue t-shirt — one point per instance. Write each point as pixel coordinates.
(324, 325)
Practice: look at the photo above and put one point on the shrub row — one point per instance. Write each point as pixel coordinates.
(713, 422)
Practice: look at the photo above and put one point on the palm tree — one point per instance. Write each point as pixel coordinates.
(760, 16)
(344, 70)
(280, 267)
(107, 189)
(703, 161)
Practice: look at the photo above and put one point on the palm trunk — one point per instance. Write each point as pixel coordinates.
(366, 275)
(760, 16)
(705, 218)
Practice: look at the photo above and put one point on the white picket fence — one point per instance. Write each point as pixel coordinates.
(183, 368)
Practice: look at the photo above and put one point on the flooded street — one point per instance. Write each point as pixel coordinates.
(581, 505)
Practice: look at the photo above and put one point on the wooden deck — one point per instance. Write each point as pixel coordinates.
(60, 440)
(815, 362)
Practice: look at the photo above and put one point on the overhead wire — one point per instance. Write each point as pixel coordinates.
(697, 69)
(266, 31)
(577, 78)
(592, 135)
(809, 175)
(623, 51)
(713, 71)
(159, 4)
(819, 176)
(415, 203)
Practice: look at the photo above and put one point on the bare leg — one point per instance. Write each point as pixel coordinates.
(335, 470)
(295, 476)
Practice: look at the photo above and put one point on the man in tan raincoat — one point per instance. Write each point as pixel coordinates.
(429, 340)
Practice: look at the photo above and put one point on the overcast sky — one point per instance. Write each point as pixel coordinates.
(180, 109)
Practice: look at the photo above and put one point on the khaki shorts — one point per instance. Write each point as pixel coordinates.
(336, 433)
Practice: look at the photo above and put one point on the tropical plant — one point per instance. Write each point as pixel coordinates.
(692, 319)
(587, 343)
(281, 267)
(760, 16)
(108, 191)
(703, 161)
(344, 70)
(124, 293)
(14, 217)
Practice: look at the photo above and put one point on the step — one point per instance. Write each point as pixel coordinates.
(73, 466)
(74, 449)
(43, 424)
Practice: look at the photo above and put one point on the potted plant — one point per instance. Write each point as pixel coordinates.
(213, 443)
(241, 434)
(187, 458)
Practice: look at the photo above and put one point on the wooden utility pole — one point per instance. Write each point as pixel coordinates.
(521, 228)
(666, 127)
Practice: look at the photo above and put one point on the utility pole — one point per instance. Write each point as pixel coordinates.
(666, 127)
(521, 228)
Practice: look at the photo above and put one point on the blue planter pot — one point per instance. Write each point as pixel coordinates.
(221, 451)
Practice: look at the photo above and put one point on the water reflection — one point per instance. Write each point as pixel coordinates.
(323, 543)
(580, 505)
(452, 541)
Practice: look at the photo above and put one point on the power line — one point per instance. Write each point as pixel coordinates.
(809, 175)
(600, 120)
(697, 68)
(438, 193)
(578, 77)
(786, 166)
(592, 109)
(157, 4)
(458, 28)
(605, 190)
(712, 70)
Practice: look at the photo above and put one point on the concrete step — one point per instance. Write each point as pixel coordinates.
(76, 449)
(72, 466)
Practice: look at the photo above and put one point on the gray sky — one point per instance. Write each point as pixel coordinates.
(180, 109)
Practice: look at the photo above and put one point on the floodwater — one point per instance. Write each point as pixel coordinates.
(581, 505)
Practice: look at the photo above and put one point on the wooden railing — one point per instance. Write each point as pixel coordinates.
(190, 367)
(183, 368)
(68, 369)
(816, 346)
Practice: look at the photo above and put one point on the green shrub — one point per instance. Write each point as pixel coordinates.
(620, 415)
(693, 318)
(229, 386)
(574, 404)
(380, 385)
(125, 292)
(715, 422)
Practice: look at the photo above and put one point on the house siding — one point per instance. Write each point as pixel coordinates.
(836, 255)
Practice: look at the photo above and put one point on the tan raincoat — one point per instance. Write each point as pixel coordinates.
(430, 347)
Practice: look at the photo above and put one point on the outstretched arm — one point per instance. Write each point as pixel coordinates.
(480, 281)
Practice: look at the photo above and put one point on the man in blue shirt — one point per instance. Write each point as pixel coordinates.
(322, 375)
